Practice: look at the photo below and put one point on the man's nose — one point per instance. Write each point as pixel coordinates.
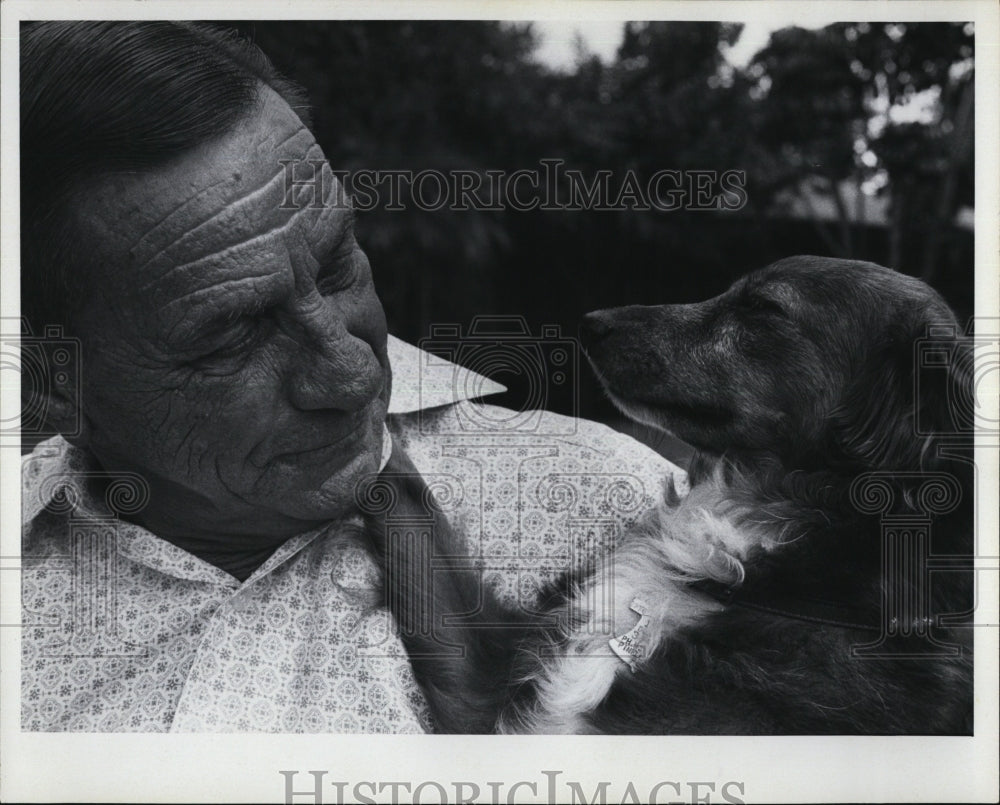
(334, 369)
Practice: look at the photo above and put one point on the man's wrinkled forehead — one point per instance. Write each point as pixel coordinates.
(229, 204)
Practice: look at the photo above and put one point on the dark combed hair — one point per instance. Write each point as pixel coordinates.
(98, 97)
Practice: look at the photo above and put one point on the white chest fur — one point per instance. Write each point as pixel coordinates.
(654, 564)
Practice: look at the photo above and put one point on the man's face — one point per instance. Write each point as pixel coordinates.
(234, 350)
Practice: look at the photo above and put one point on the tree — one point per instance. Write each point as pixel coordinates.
(887, 106)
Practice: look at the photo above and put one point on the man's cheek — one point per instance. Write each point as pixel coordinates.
(204, 425)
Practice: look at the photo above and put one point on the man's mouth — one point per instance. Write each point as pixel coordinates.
(344, 441)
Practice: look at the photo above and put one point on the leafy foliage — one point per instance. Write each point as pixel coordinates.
(858, 117)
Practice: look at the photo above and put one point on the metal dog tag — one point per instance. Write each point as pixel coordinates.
(631, 646)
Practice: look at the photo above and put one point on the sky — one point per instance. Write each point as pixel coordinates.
(603, 37)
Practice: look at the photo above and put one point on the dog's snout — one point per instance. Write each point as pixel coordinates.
(594, 327)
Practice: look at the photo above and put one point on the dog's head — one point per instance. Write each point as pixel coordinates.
(812, 359)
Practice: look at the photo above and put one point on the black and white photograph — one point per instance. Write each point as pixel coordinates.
(505, 402)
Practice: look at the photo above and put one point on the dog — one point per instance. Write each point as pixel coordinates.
(768, 599)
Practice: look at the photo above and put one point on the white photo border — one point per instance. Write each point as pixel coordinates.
(44, 767)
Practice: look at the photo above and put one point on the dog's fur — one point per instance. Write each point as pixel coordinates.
(761, 580)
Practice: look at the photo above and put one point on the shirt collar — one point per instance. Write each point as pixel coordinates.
(422, 380)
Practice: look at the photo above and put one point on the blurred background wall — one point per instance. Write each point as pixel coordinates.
(855, 140)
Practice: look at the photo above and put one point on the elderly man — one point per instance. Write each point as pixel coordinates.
(192, 549)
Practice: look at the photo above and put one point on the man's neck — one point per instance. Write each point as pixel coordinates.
(238, 553)
(236, 543)
(189, 525)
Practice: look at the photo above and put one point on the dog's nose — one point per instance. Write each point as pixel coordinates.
(594, 327)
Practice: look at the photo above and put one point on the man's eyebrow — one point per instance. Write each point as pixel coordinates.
(231, 313)
(342, 227)
(247, 299)
(349, 218)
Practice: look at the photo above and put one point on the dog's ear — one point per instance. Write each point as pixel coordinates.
(913, 387)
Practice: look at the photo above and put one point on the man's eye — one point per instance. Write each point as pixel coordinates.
(233, 342)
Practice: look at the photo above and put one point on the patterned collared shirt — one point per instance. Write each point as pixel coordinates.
(124, 631)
